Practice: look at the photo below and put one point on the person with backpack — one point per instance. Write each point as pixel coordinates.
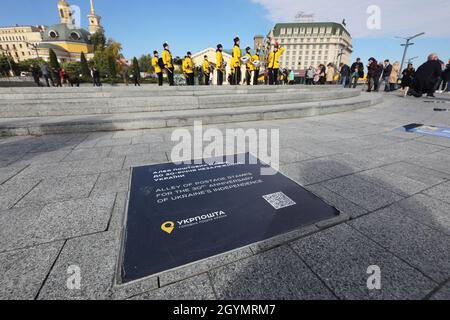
(156, 64)
(168, 64)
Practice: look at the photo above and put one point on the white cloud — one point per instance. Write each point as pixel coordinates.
(398, 17)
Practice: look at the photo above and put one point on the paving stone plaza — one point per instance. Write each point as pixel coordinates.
(65, 164)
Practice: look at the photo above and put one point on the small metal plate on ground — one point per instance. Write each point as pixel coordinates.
(180, 214)
(427, 130)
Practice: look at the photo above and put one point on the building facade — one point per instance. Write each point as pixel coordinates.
(311, 43)
(19, 42)
(66, 39)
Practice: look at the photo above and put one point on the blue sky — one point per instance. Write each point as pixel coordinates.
(143, 25)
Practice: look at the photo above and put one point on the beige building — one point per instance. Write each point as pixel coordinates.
(198, 57)
(311, 43)
(19, 42)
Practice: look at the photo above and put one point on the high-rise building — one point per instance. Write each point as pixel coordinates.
(311, 43)
(19, 42)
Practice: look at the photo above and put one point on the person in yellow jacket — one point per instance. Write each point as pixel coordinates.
(206, 68)
(274, 64)
(168, 64)
(249, 66)
(188, 69)
(220, 67)
(237, 61)
(157, 67)
(255, 69)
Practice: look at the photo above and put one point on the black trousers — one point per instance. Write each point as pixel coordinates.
(206, 79)
(170, 76)
(136, 82)
(255, 77)
(160, 78)
(273, 76)
(237, 77)
(248, 76)
(190, 79)
(219, 77)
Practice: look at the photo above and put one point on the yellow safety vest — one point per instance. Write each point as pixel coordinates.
(219, 60)
(237, 56)
(206, 67)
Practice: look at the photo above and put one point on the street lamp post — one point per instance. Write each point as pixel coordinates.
(34, 47)
(406, 45)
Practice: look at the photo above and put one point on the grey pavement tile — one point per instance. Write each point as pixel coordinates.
(13, 190)
(23, 227)
(116, 223)
(418, 173)
(443, 293)
(290, 155)
(46, 171)
(7, 173)
(144, 159)
(113, 142)
(93, 139)
(283, 239)
(341, 256)
(59, 189)
(339, 202)
(96, 257)
(421, 246)
(302, 173)
(196, 288)
(22, 272)
(439, 161)
(363, 193)
(440, 141)
(276, 274)
(111, 182)
(43, 157)
(203, 266)
(429, 211)
(127, 134)
(440, 192)
(332, 166)
(87, 167)
(130, 150)
(88, 153)
(394, 182)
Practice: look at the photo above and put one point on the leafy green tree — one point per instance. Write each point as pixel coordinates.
(54, 64)
(98, 40)
(25, 65)
(112, 67)
(84, 67)
(5, 65)
(145, 62)
(73, 68)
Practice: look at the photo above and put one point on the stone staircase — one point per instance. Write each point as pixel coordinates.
(38, 111)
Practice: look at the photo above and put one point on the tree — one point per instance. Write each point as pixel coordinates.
(73, 68)
(98, 41)
(135, 68)
(84, 68)
(25, 65)
(5, 63)
(145, 62)
(112, 67)
(54, 64)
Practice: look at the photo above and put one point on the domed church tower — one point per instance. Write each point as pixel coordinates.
(65, 13)
(94, 21)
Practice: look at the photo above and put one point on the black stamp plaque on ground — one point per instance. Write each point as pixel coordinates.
(179, 214)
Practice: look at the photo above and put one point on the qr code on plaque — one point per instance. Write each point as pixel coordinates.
(279, 200)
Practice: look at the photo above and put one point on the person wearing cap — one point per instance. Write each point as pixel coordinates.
(188, 69)
(157, 68)
(168, 64)
(274, 64)
(256, 69)
(206, 70)
(249, 66)
(219, 65)
(237, 61)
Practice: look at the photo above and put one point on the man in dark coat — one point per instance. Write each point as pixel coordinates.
(387, 70)
(371, 73)
(344, 75)
(358, 64)
(426, 78)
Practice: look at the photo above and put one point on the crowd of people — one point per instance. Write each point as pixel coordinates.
(432, 76)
